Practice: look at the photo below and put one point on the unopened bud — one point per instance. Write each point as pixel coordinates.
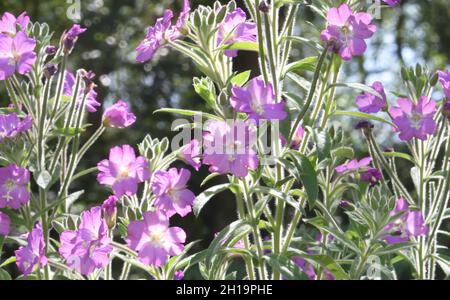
(264, 7)
(50, 70)
(50, 50)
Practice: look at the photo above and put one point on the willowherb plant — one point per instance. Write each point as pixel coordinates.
(307, 208)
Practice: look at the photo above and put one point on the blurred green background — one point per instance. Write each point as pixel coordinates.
(417, 31)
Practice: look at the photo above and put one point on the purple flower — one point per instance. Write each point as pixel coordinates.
(14, 186)
(179, 275)
(296, 139)
(347, 31)
(5, 223)
(16, 54)
(370, 103)
(354, 165)
(11, 125)
(172, 196)
(154, 240)
(372, 176)
(109, 208)
(123, 171)
(68, 90)
(393, 3)
(306, 267)
(163, 31)
(191, 154)
(33, 254)
(414, 120)
(227, 148)
(71, 36)
(444, 78)
(89, 247)
(235, 28)
(258, 101)
(410, 224)
(9, 24)
(118, 115)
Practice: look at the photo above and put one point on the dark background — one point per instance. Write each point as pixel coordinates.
(417, 31)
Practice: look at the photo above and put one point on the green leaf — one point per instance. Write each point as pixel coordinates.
(204, 197)
(394, 248)
(204, 87)
(357, 86)
(305, 64)
(280, 195)
(399, 155)
(4, 275)
(9, 261)
(43, 179)
(323, 143)
(186, 112)
(307, 175)
(345, 152)
(286, 267)
(241, 78)
(246, 46)
(68, 131)
(362, 116)
(328, 263)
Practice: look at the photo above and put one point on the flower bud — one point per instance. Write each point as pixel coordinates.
(50, 50)
(110, 211)
(50, 70)
(434, 79)
(344, 204)
(264, 7)
(446, 110)
(366, 127)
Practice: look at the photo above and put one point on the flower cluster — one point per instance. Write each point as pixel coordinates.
(368, 174)
(87, 248)
(410, 224)
(347, 31)
(16, 47)
(14, 186)
(32, 255)
(11, 125)
(123, 171)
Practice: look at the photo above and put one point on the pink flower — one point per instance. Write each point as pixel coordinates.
(89, 247)
(347, 31)
(370, 103)
(393, 3)
(16, 54)
(354, 165)
(68, 90)
(14, 186)
(9, 24)
(33, 254)
(118, 115)
(5, 223)
(414, 120)
(258, 101)
(296, 139)
(191, 154)
(172, 196)
(235, 28)
(227, 148)
(410, 224)
(444, 78)
(11, 125)
(163, 31)
(109, 208)
(154, 240)
(123, 171)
